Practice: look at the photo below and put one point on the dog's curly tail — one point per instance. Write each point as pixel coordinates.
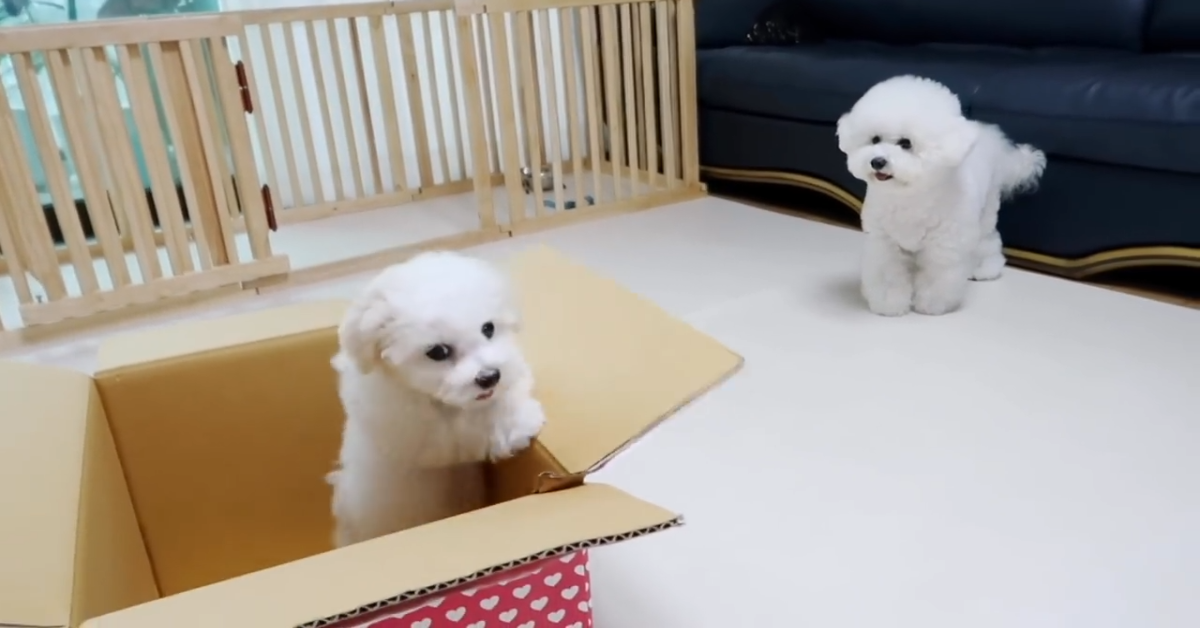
(1021, 169)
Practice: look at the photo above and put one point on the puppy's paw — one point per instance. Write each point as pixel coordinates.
(989, 269)
(888, 302)
(518, 429)
(933, 304)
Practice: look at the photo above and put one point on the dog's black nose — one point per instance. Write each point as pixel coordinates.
(487, 379)
(878, 163)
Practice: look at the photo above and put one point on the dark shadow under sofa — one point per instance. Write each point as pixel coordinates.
(1110, 89)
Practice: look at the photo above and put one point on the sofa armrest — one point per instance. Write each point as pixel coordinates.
(722, 23)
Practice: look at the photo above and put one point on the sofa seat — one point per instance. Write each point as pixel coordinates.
(1107, 106)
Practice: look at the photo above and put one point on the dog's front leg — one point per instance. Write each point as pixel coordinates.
(518, 419)
(943, 274)
(887, 281)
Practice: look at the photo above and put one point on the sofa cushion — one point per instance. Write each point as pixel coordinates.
(1174, 25)
(1139, 110)
(1101, 23)
(818, 83)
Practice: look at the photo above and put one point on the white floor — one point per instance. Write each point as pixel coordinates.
(1032, 461)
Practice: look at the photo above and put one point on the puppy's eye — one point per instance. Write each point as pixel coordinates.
(904, 143)
(875, 140)
(439, 353)
(488, 330)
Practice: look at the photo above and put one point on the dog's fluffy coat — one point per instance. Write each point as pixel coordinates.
(935, 181)
(414, 349)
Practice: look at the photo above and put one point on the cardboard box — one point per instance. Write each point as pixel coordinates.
(183, 486)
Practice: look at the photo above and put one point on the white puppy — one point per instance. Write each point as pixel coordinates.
(935, 181)
(433, 384)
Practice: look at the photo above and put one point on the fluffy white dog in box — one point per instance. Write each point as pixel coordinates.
(433, 385)
(935, 181)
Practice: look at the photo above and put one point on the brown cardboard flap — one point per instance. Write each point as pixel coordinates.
(397, 568)
(608, 364)
(43, 422)
(193, 337)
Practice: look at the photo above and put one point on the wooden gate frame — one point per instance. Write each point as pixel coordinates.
(626, 46)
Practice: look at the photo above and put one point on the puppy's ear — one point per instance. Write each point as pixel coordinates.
(845, 141)
(956, 141)
(362, 330)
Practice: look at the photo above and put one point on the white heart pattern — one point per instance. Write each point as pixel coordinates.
(553, 580)
(539, 603)
(508, 616)
(424, 623)
(490, 603)
(479, 624)
(570, 593)
(577, 624)
(521, 592)
(528, 624)
(583, 606)
(470, 592)
(557, 615)
(568, 558)
(456, 614)
(580, 569)
(436, 602)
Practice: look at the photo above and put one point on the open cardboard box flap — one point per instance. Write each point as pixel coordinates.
(609, 366)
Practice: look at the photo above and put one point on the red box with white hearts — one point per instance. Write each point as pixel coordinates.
(552, 592)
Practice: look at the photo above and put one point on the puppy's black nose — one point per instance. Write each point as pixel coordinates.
(878, 163)
(487, 379)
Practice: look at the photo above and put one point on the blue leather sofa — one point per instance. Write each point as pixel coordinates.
(1110, 89)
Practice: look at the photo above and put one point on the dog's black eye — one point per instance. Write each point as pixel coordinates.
(875, 140)
(439, 353)
(904, 143)
(488, 330)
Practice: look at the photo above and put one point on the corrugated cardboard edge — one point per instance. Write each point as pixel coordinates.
(550, 273)
(189, 338)
(416, 594)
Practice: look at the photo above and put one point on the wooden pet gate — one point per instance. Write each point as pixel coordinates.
(151, 158)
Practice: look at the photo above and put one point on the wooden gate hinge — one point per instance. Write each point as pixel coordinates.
(269, 208)
(244, 87)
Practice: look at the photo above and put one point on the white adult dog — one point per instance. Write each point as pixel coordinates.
(935, 181)
(433, 383)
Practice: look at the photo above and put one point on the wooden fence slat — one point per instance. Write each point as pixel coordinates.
(566, 27)
(629, 92)
(154, 150)
(260, 118)
(548, 54)
(281, 115)
(649, 112)
(592, 97)
(685, 53)
(128, 193)
(331, 145)
(416, 104)
(305, 130)
(242, 152)
(461, 143)
(475, 125)
(435, 98)
(612, 88)
(502, 58)
(666, 93)
(387, 96)
(364, 102)
(218, 223)
(343, 89)
(529, 113)
(56, 173)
